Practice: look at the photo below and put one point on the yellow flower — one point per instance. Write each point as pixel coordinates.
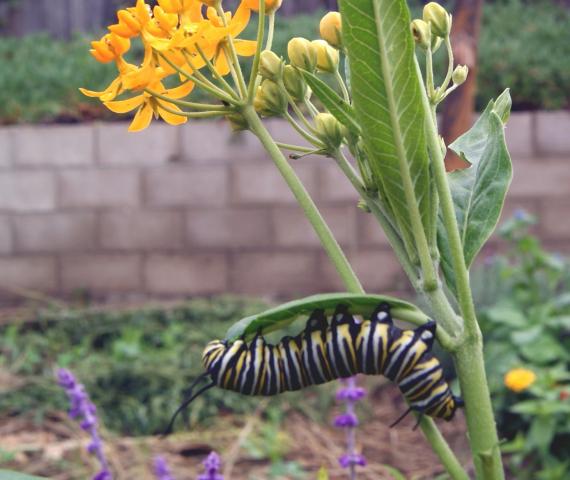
(330, 29)
(519, 379)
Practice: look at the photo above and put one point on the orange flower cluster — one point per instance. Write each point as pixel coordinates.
(180, 37)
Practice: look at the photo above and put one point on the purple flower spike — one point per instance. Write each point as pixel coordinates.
(212, 466)
(82, 408)
(347, 460)
(346, 420)
(350, 394)
(161, 470)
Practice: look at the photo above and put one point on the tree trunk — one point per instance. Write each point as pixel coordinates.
(459, 107)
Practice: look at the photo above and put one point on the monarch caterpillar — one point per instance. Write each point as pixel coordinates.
(323, 352)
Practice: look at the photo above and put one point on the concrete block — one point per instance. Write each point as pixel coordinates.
(378, 270)
(6, 146)
(370, 232)
(54, 145)
(292, 229)
(27, 191)
(257, 183)
(99, 188)
(27, 273)
(192, 186)
(552, 133)
(157, 145)
(555, 219)
(214, 142)
(101, 273)
(541, 178)
(142, 229)
(229, 228)
(519, 135)
(275, 273)
(6, 235)
(335, 187)
(185, 274)
(55, 232)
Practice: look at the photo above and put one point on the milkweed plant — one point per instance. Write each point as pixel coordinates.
(365, 97)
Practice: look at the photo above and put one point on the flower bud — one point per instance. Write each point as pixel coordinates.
(460, 74)
(422, 33)
(294, 83)
(270, 5)
(440, 20)
(327, 56)
(331, 29)
(269, 100)
(270, 65)
(302, 54)
(328, 130)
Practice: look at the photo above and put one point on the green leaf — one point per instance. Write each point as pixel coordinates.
(285, 314)
(478, 191)
(387, 98)
(9, 475)
(334, 103)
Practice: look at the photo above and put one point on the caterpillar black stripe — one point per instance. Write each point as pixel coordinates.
(323, 352)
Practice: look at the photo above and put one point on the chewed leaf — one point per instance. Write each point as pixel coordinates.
(479, 191)
(387, 100)
(336, 105)
(285, 314)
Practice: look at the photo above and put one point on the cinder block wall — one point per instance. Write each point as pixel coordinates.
(197, 210)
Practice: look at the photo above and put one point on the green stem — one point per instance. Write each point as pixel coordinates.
(205, 84)
(322, 230)
(233, 58)
(342, 86)
(270, 31)
(295, 148)
(225, 85)
(442, 450)
(450, 60)
(468, 356)
(181, 113)
(254, 77)
(183, 103)
(306, 135)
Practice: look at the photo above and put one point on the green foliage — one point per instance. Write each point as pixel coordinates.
(9, 475)
(525, 318)
(480, 190)
(136, 365)
(387, 98)
(525, 46)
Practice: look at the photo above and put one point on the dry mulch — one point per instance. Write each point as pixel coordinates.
(56, 448)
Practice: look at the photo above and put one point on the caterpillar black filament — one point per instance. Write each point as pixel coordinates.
(323, 352)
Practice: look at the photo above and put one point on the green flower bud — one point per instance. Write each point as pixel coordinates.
(422, 33)
(460, 74)
(328, 130)
(363, 206)
(327, 57)
(440, 20)
(302, 54)
(237, 122)
(331, 29)
(269, 100)
(270, 65)
(294, 83)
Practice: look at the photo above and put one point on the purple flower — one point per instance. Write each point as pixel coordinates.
(82, 408)
(346, 420)
(350, 394)
(161, 469)
(212, 466)
(347, 460)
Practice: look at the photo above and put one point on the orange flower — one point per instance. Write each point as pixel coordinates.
(270, 5)
(109, 48)
(132, 20)
(235, 25)
(519, 379)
